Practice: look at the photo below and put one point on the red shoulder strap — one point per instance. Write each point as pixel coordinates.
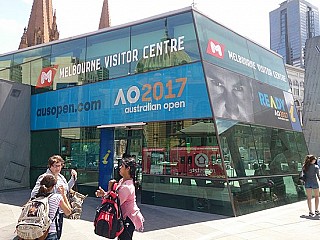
(114, 186)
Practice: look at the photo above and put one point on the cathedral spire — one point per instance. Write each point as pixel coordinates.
(23, 42)
(105, 18)
(42, 27)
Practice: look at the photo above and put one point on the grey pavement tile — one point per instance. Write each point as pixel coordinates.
(7, 232)
(162, 223)
(213, 235)
(202, 229)
(230, 237)
(155, 235)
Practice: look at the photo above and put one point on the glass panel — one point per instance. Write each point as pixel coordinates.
(182, 167)
(186, 148)
(218, 43)
(113, 50)
(197, 194)
(255, 150)
(40, 152)
(258, 194)
(269, 67)
(164, 43)
(24, 61)
(128, 141)
(238, 147)
(17, 73)
(36, 67)
(227, 49)
(69, 58)
(301, 143)
(31, 55)
(5, 64)
(79, 147)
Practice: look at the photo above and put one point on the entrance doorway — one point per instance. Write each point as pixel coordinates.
(128, 140)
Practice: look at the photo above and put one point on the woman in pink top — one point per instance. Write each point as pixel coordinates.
(133, 219)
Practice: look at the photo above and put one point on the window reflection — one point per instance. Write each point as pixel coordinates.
(182, 148)
(113, 50)
(258, 194)
(105, 55)
(156, 43)
(70, 58)
(80, 149)
(247, 148)
(27, 65)
(5, 64)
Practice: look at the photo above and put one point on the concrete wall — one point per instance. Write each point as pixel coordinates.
(14, 135)
(311, 106)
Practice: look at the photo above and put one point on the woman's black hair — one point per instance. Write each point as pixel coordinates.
(130, 162)
(46, 185)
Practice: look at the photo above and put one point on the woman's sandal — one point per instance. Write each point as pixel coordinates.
(317, 212)
(311, 214)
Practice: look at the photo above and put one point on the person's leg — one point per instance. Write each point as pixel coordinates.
(316, 199)
(128, 230)
(52, 236)
(59, 223)
(309, 196)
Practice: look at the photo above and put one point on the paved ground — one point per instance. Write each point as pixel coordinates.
(286, 222)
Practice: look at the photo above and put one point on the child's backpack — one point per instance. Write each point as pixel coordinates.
(34, 220)
(108, 221)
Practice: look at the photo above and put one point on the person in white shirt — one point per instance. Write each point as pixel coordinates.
(55, 164)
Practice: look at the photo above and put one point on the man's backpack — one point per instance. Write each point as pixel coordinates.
(108, 221)
(34, 220)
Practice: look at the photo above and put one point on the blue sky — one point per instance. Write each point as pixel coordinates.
(249, 18)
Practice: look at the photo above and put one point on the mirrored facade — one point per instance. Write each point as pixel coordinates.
(206, 113)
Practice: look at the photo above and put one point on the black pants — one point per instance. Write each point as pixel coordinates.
(128, 230)
(59, 222)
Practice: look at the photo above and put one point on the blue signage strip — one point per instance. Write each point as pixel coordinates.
(106, 156)
(169, 94)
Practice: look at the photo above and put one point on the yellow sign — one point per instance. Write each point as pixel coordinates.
(105, 158)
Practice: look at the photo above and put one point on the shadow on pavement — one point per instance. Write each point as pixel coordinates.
(311, 218)
(16, 197)
(156, 217)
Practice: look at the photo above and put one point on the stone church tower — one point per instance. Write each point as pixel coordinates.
(105, 18)
(42, 26)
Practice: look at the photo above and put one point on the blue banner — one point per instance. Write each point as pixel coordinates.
(106, 156)
(169, 94)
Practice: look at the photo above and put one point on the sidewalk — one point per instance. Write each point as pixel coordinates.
(285, 222)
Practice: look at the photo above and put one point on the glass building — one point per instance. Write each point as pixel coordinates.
(206, 112)
(291, 25)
